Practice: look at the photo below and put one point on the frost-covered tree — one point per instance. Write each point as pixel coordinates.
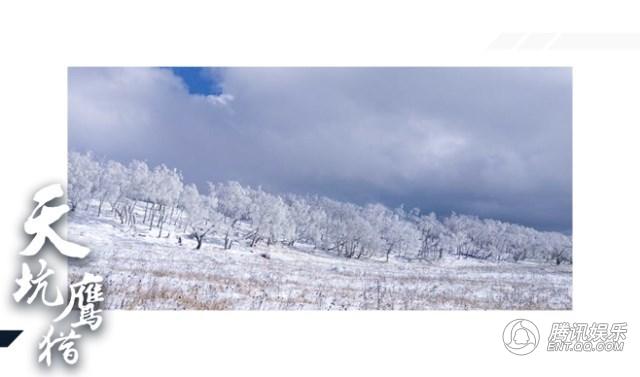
(269, 219)
(241, 214)
(234, 203)
(111, 184)
(201, 212)
(431, 233)
(360, 237)
(306, 220)
(466, 238)
(191, 202)
(83, 172)
(166, 188)
(140, 189)
(398, 235)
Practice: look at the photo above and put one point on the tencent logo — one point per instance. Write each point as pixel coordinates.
(521, 337)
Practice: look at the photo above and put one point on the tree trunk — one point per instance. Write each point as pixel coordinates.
(153, 215)
(160, 215)
(131, 213)
(160, 230)
(178, 217)
(100, 207)
(254, 240)
(388, 253)
(227, 244)
(146, 209)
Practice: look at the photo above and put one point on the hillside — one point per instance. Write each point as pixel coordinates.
(143, 271)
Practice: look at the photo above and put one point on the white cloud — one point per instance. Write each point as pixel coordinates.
(223, 99)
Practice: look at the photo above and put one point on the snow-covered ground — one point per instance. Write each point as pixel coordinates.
(143, 271)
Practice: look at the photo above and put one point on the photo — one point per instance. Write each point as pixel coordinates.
(322, 188)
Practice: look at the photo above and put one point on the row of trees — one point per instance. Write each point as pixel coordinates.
(154, 197)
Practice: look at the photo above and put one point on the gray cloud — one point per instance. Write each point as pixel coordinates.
(494, 142)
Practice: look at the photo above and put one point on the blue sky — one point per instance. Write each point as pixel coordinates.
(492, 142)
(198, 80)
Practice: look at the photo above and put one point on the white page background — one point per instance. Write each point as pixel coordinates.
(40, 40)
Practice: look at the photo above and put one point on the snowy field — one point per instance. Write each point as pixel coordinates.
(144, 272)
